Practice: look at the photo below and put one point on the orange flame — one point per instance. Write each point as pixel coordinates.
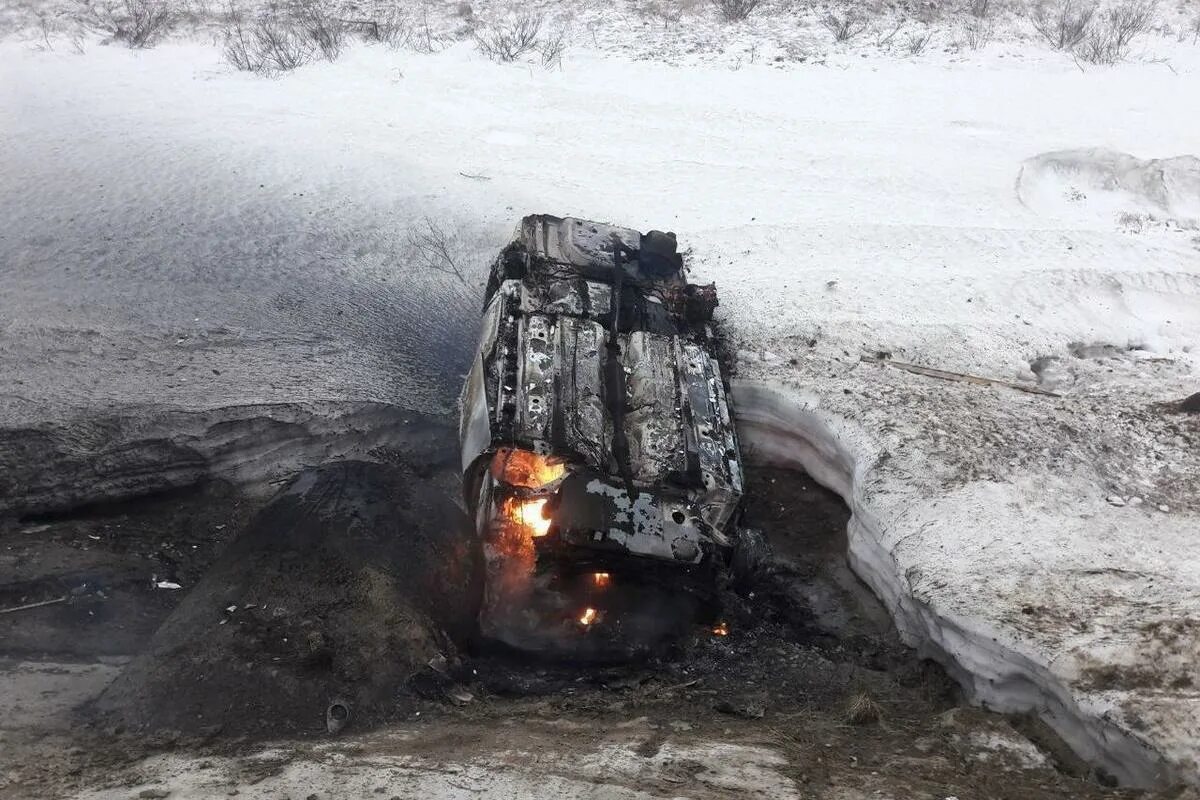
(530, 514)
(525, 468)
(588, 616)
(601, 580)
(720, 629)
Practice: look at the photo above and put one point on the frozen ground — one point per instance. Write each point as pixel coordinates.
(530, 750)
(177, 235)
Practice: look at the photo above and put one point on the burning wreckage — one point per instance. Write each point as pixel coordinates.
(598, 453)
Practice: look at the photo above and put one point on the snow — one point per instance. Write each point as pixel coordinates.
(162, 212)
(390, 765)
(1019, 750)
(1033, 590)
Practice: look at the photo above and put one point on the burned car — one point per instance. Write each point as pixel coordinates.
(598, 454)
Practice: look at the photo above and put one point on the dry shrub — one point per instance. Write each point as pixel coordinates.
(389, 27)
(980, 9)
(863, 710)
(267, 46)
(736, 10)
(1108, 38)
(325, 32)
(885, 36)
(137, 23)
(279, 41)
(978, 31)
(554, 46)
(917, 42)
(669, 12)
(422, 39)
(1098, 38)
(507, 41)
(844, 27)
(1063, 23)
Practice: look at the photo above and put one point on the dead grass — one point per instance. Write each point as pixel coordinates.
(845, 26)
(863, 710)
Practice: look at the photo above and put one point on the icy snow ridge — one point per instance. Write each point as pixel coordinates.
(1099, 177)
(784, 428)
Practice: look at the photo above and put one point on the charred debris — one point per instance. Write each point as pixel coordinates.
(599, 457)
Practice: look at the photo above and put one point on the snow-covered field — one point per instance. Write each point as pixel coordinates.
(175, 233)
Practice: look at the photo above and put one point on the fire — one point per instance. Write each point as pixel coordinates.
(588, 616)
(530, 514)
(601, 580)
(525, 468)
(720, 629)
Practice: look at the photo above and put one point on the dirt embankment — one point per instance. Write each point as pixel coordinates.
(331, 592)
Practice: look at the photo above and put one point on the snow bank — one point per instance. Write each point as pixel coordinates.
(539, 765)
(785, 429)
(1111, 181)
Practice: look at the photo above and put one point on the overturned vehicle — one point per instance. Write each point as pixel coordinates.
(599, 457)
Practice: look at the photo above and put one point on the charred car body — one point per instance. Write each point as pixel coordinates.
(598, 453)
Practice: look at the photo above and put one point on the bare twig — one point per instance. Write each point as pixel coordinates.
(327, 33)
(268, 46)
(960, 377)
(44, 25)
(508, 40)
(736, 10)
(1063, 23)
(28, 606)
(554, 46)
(435, 248)
(885, 40)
(1165, 62)
(137, 23)
(978, 31)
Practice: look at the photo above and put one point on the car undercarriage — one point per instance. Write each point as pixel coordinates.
(598, 452)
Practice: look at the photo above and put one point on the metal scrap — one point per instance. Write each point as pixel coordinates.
(28, 606)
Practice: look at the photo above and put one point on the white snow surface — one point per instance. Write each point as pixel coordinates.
(534, 765)
(1044, 548)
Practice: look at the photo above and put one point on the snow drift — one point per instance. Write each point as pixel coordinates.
(1001, 671)
(1109, 178)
